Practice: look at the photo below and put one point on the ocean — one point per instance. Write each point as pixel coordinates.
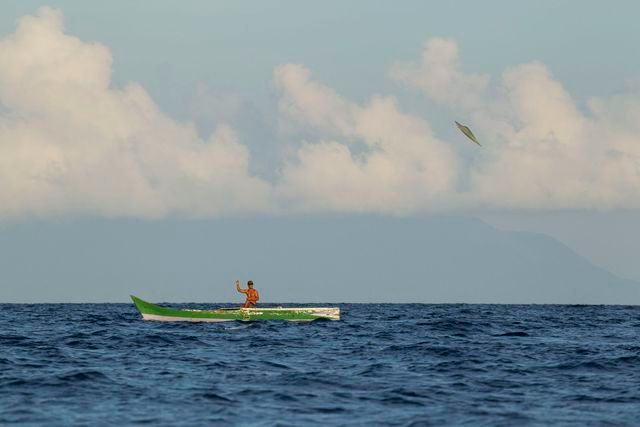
(382, 364)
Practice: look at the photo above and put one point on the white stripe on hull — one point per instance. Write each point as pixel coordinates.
(203, 319)
(181, 319)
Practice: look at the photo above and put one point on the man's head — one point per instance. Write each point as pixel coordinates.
(250, 283)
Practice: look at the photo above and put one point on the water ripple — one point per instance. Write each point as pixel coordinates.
(392, 364)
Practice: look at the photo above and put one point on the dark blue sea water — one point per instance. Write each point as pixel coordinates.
(383, 364)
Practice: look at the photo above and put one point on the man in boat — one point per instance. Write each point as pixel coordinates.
(252, 294)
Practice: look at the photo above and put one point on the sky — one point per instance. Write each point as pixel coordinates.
(209, 110)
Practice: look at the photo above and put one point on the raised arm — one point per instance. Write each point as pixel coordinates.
(242, 291)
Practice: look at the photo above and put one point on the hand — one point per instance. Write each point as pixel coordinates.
(237, 282)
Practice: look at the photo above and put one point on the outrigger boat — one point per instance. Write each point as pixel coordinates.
(297, 314)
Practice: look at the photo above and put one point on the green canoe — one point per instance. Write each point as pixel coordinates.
(297, 314)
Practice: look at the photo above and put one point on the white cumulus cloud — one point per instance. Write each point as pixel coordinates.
(70, 143)
(438, 75)
(541, 150)
(403, 167)
(548, 154)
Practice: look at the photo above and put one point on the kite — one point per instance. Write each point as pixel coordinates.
(468, 133)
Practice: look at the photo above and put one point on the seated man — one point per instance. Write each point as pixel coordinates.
(252, 295)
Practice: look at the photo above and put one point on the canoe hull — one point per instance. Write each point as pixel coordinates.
(295, 314)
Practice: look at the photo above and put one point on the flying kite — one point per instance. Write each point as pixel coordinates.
(468, 133)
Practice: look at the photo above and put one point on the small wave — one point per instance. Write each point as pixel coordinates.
(215, 397)
(590, 365)
(426, 348)
(314, 379)
(513, 334)
(285, 397)
(169, 339)
(17, 382)
(236, 326)
(78, 344)
(406, 393)
(399, 400)
(329, 410)
(585, 398)
(373, 369)
(85, 376)
(610, 363)
(446, 324)
(17, 340)
(633, 359)
(276, 365)
(79, 336)
(146, 420)
(61, 380)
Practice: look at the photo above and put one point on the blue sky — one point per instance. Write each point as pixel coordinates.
(231, 81)
(236, 45)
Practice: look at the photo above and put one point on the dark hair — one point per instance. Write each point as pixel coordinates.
(250, 283)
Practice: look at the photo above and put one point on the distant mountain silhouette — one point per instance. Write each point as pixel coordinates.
(301, 259)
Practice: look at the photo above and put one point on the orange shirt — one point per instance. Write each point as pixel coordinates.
(252, 296)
